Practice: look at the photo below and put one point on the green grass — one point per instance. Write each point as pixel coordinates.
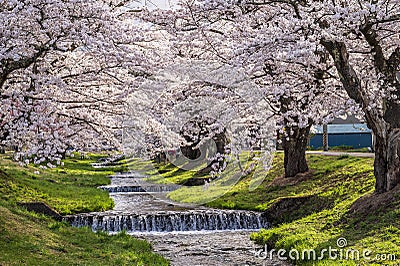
(348, 149)
(27, 238)
(335, 186)
(332, 178)
(69, 189)
(170, 174)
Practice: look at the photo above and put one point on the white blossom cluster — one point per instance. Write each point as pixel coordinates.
(66, 68)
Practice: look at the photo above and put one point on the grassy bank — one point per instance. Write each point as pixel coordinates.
(311, 211)
(27, 238)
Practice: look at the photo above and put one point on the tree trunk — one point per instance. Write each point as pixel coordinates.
(220, 141)
(294, 147)
(191, 153)
(3, 136)
(387, 161)
(386, 128)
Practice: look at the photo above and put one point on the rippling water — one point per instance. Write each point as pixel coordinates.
(186, 248)
(208, 248)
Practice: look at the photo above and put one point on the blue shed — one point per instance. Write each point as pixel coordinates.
(352, 135)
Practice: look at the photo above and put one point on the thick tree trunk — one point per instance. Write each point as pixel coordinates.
(295, 151)
(220, 141)
(387, 161)
(386, 128)
(190, 152)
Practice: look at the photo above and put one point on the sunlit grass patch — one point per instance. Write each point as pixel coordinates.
(329, 191)
(69, 189)
(27, 238)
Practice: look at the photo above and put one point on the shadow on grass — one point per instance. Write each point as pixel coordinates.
(289, 209)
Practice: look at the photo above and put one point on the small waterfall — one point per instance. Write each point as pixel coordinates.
(197, 220)
(121, 189)
(128, 175)
(148, 214)
(107, 162)
(152, 188)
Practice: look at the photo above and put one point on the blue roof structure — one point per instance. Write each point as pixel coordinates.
(343, 128)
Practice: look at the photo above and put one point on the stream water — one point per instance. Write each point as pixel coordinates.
(186, 235)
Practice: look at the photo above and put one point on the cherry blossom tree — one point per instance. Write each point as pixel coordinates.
(66, 68)
(296, 74)
(363, 42)
(203, 109)
(360, 37)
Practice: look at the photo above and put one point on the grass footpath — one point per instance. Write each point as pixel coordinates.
(313, 210)
(27, 238)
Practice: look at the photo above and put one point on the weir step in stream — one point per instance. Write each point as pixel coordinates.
(193, 220)
(184, 234)
(120, 189)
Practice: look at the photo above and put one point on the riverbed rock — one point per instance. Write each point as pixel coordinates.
(284, 207)
(41, 207)
(196, 181)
